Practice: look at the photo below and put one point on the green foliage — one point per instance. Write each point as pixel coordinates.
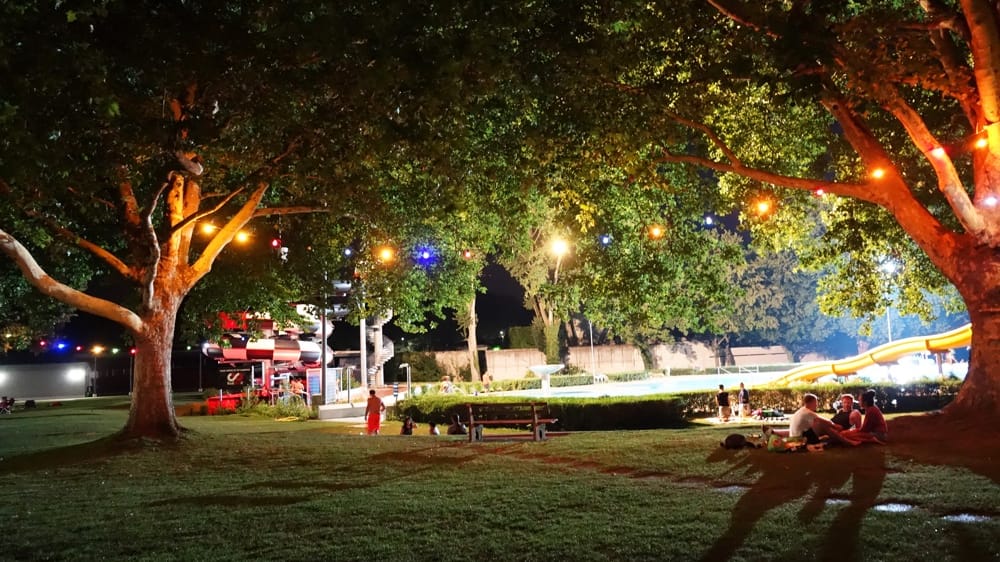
(573, 414)
(286, 407)
(522, 337)
(423, 366)
(914, 397)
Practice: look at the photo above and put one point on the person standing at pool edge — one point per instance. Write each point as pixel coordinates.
(743, 402)
(373, 413)
(722, 399)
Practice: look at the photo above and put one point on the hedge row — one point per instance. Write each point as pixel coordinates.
(574, 414)
(890, 397)
(533, 383)
(672, 411)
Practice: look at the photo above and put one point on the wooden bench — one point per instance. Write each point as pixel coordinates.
(533, 414)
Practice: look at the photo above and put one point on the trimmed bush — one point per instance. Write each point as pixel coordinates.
(890, 397)
(522, 337)
(574, 414)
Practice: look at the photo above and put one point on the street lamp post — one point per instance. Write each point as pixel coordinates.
(889, 267)
(97, 349)
(559, 248)
(593, 356)
(409, 382)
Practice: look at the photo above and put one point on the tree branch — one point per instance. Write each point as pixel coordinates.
(66, 234)
(985, 45)
(742, 19)
(708, 132)
(278, 211)
(226, 234)
(62, 292)
(857, 191)
(949, 182)
(198, 216)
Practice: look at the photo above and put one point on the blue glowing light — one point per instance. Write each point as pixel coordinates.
(605, 239)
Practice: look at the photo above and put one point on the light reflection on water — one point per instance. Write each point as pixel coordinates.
(967, 518)
(893, 507)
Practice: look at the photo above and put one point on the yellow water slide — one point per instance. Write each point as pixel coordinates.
(885, 353)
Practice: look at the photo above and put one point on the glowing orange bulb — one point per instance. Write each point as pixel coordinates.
(655, 231)
(763, 207)
(878, 173)
(385, 254)
(208, 228)
(938, 152)
(467, 254)
(981, 142)
(242, 237)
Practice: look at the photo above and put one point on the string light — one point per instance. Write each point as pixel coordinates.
(939, 152)
(878, 173)
(981, 142)
(655, 231)
(763, 206)
(990, 201)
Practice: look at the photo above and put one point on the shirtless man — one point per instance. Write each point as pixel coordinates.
(373, 413)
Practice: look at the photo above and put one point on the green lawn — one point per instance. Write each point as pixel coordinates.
(241, 488)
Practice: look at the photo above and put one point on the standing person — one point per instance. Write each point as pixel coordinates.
(373, 413)
(743, 401)
(299, 389)
(487, 380)
(722, 399)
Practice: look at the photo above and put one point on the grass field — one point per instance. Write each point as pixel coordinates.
(242, 488)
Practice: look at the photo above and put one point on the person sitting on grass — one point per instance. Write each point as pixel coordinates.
(849, 416)
(433, 428)
(806, 425)
(408, 426)
(457, 427)
(873, 429)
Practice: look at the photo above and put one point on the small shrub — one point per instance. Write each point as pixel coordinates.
(423, 366)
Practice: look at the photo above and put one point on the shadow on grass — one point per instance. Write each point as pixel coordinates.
(105, 447)
(944, 440)
(228, 500)
(785, 478)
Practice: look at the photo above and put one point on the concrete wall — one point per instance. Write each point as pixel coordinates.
(607, 358)
(513, 363)
(684, 355)
(773, 355)
(44, 381)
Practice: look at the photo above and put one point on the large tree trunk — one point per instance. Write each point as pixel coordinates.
(980, 393)
(473, 343)
(152, 412)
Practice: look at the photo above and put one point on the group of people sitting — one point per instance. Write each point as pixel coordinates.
(456, 427)
(850, 426)
(7, 405)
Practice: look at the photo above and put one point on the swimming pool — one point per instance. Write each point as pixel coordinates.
(662, 385)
